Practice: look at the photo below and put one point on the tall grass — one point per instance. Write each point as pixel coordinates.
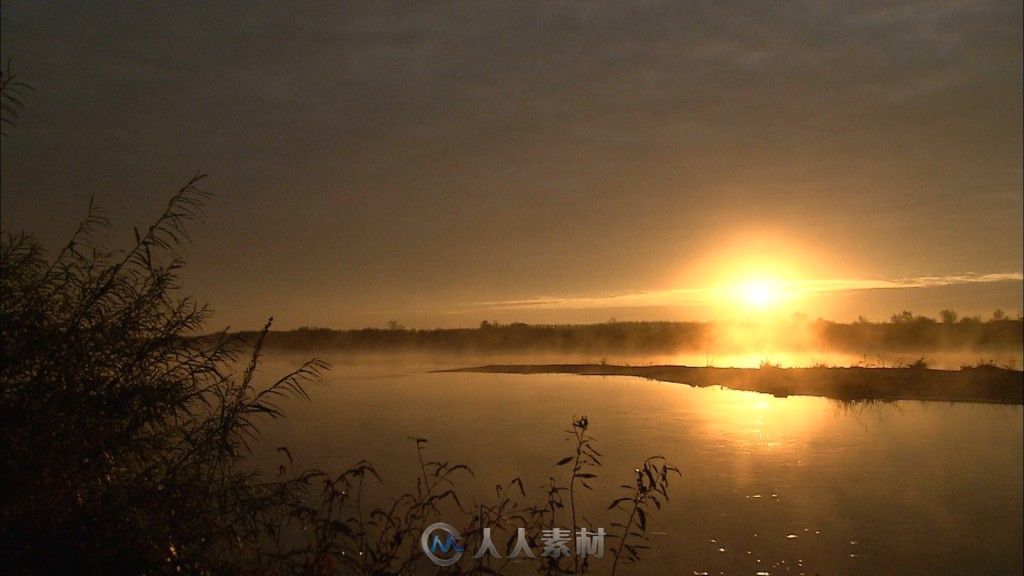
(123, 433)
(343, 534)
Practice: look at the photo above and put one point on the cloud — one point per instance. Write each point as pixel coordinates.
(821, 286)
(709, 295)
(395, 154)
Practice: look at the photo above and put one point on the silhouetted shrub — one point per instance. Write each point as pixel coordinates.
(122, 433)
(124, 436)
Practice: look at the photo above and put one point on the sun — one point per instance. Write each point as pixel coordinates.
(761, 278)
(759, 293)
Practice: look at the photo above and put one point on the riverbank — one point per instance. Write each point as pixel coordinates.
(983, 384)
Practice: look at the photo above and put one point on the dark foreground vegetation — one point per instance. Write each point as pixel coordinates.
(903, 333)
(125, 435)
(984, 383)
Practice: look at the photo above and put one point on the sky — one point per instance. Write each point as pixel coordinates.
(442, 164)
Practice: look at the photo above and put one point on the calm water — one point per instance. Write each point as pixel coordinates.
(778, 485)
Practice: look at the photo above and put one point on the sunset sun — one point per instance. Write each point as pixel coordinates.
(757, 293)
(760, 294)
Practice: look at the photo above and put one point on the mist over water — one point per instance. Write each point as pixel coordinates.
(789, 342)
(777, 485)
(942, 360)
(938, 359)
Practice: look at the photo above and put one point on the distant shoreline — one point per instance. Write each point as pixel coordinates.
(910, 335)
(990, 385)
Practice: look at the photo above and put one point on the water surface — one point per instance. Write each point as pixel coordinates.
(778, 485)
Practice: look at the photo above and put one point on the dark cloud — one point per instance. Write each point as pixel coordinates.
(395, 157)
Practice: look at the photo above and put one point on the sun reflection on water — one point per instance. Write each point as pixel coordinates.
(756, 421)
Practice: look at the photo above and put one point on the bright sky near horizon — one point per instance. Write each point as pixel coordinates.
(440, 165)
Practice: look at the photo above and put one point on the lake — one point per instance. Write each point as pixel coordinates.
(797, 485)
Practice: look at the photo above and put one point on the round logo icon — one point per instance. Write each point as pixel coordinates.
(442, 543)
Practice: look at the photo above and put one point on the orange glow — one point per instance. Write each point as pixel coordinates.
(760, 294)
(760, 273)
(752, 421)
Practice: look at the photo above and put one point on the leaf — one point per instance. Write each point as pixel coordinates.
(564, 461)
(617, 501)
